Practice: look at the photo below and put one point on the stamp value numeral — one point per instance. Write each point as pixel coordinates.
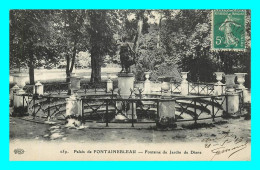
(219, 40)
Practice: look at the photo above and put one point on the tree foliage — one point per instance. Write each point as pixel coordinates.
(187, 37)
(101, 33)
(69, 35)
(29, 38)
(166, 41)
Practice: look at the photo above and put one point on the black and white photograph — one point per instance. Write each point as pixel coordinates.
(130, 85)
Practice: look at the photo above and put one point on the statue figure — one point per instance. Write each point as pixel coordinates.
(127, 56)
(226, 27)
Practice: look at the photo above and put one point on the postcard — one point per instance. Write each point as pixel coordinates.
(130, 85)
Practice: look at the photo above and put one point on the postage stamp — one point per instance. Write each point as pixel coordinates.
(228, 30)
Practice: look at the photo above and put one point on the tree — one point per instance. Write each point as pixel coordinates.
(28, 32)
(187, 38)
(101, 40)
(152, 53)
(69, 35)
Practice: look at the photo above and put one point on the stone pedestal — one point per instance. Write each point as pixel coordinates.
(18, 100)
(38, 88)
(184, 84)
(167, 109)
(166, 114)
(13, 91)
(74, 110)
(218, 89)
(126, 84)
(73, 106)
(75, 83)
(246, 95)
(109, 83)
(147, 83)
(20, 106)
(109, 86)
(232, 103)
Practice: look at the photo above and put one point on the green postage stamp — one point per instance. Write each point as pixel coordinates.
(228, 30)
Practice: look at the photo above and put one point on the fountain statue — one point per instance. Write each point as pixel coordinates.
(127, 56)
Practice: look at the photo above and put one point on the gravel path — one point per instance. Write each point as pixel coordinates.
(142, 133)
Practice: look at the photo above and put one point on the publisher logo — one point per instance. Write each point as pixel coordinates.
(19, 151)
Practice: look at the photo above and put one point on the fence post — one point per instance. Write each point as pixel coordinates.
(23, 101)
(241, 103)
(20, 107)
(188, 88)
(213, 114)
(171, 87)
(195, 111)
(112, 94)
(85, 88)
(158, 115)
(106, 113)
(132, 113)
(14, 89)
(49, 111)
(226, 104)
(232, 104)
(59, 87)
(34, 114)
(73, 110)
(82, 111)
(38, 88)
(198, 88)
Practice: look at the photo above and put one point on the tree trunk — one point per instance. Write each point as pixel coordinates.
(19, 66)
(73, 57)
(31, 68)
(159, 32)
(139, 31)
(68, 68)
(95, 68)
(68, 74)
